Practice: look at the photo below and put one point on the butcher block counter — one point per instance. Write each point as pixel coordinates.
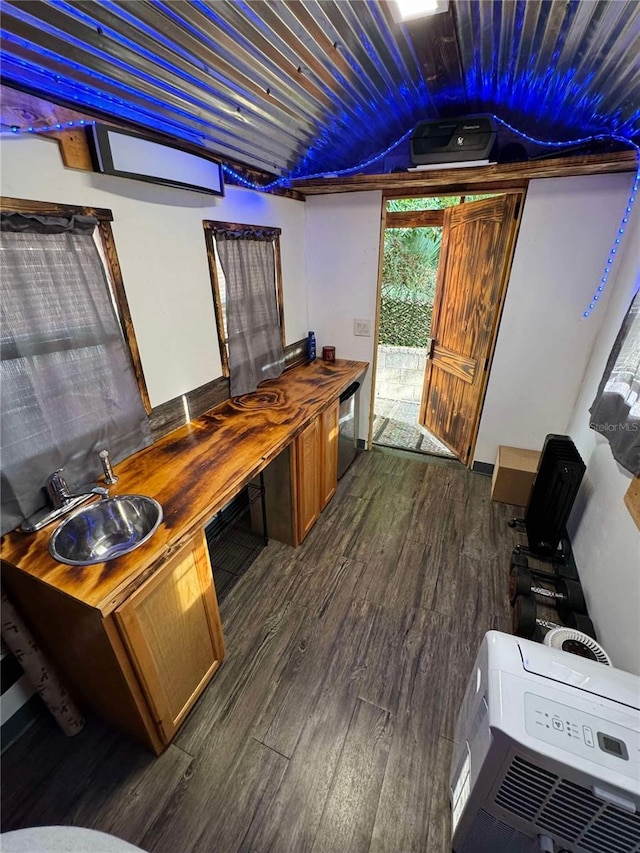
(139, 637)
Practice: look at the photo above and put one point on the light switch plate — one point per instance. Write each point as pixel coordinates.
(362, 328)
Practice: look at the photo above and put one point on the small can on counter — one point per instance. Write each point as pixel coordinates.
(329, 354)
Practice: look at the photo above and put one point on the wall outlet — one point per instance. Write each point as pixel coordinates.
(362, 328)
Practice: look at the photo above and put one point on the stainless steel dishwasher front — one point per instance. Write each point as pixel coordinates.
(347, 445)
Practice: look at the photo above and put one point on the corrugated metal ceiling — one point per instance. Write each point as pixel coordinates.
(298, 87)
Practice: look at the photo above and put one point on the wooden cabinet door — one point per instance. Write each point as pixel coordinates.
(475, 258)
(307, 478)
(171, 629)
(329, 453)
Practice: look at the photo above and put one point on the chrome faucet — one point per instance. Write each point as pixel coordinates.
(62, 500)
(107, 470)
(59, 494)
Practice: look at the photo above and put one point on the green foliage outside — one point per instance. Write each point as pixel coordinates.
(398, 205)
(408, 285)
(409, 271)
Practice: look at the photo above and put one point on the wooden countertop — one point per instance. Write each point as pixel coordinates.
(193, 472)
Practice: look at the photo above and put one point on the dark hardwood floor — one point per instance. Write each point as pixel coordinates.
(329, 727)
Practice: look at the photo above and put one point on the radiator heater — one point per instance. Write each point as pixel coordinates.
(555, 487)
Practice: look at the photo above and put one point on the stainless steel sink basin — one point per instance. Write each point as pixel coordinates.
(105, 530)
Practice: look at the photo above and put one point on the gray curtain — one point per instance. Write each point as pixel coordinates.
(615, 412)
(67, 384)
(253, 323)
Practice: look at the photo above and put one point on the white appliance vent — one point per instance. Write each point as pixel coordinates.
(567, 810)
(489, 835)
(525, 788)
(613, 831)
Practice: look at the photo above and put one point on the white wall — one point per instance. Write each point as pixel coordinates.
(160, 243)
(567, 229)
(605, 540)
(543, 346)
(342, 240)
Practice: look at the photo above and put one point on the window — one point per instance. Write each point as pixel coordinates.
(615, 412)
(70, 384)
(244, 264)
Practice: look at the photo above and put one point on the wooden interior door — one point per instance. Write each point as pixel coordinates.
(475, 257)
(171, 628)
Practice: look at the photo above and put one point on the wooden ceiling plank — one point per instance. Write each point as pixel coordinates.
(435, 42)
(261, 48)
(320, 38)
(248, 77)
(307, 58)
(235, 95)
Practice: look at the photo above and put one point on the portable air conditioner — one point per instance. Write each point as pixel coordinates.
(547, 743)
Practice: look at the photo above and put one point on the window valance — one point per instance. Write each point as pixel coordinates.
(17, 223)
(228, 231)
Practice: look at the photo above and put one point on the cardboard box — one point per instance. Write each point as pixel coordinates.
(513, 475)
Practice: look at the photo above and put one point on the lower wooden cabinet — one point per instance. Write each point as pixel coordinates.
(307, 478)
(302, 479)
(329, 434)
(171, 630)
(143, 665)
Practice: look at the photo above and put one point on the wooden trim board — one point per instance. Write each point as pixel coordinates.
(124, 314)
(49, 208)
(491, 178)
(632, 500)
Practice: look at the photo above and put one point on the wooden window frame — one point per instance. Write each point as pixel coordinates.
(460, 188)
(209, 226)
(114, 279)
(415, 218)
(425, 218)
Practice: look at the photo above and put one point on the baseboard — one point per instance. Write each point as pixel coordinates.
(23, 719)
(361, 444)
(483, 468)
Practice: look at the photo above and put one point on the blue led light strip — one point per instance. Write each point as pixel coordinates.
(629, 206)
(286, 181)
(282, 182)
(616, 243)
(570, 143)
(63, 125)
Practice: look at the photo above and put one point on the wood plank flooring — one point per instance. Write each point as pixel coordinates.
(329, 727)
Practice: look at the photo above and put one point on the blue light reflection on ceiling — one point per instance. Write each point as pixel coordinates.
(559, 103)
(136, 47)
(280, 182)
(563, 69)
(211, 100)
(91, 96)
(541, 70)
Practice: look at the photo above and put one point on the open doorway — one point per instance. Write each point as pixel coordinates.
(421, 400)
